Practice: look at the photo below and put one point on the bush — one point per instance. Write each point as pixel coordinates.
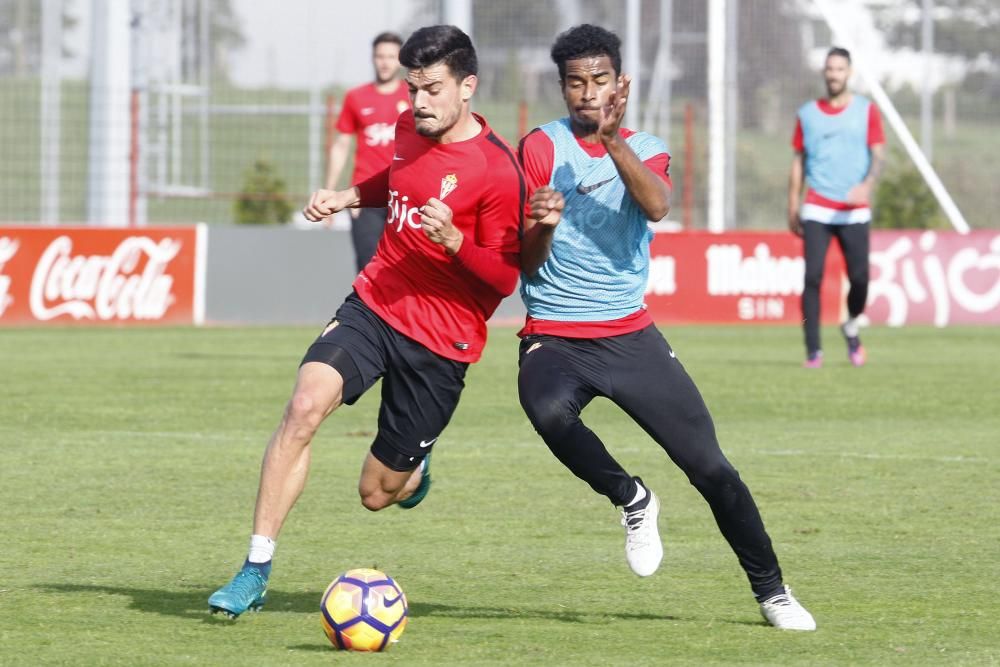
(262, 200)
(903, 200)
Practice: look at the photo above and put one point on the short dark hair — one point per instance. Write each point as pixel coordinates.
(387, 38)
(839, 51)
(586, 40)
(440, 44)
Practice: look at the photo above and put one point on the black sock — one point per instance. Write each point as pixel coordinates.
(640, 504)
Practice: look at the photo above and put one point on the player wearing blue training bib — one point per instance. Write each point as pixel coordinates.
(839, 148)
(585, 264)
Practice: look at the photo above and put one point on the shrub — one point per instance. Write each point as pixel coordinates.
(904, 201)
(262, 201)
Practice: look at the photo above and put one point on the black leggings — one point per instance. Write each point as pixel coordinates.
(639, 373)
(366, 230)
(854, 244)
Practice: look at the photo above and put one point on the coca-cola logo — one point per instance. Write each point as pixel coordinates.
(104, 287)
(8, 248)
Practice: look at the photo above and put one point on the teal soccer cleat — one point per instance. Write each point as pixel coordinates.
(247, 591)
(421, 492)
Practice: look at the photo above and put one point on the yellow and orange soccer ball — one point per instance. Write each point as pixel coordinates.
(364, 610)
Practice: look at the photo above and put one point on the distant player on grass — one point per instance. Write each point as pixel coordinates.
(585, 263)
(417, 316)
(369, 112)
(839, 151)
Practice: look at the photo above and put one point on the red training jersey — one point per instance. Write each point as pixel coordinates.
(537, 156)
(438, 300)
(372, 115)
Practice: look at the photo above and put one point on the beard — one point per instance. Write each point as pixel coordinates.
(434, 132)
(430, 132)
(834, 88)
(586, 125)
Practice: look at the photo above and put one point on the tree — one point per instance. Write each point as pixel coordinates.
(225, 36)
(263, 199)
(21, 36)
(966, 28)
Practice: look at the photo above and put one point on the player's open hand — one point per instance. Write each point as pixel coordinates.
(859, 194)
(323, 204)
(794, 223)
(547, 206)
(435, 220)
(613, 114)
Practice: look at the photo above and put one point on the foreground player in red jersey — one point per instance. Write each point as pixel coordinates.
(417, 316)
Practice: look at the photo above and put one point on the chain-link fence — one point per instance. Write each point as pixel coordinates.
(162, 135)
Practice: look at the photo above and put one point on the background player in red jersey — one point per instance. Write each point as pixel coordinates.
(369, 112)
(417, 317)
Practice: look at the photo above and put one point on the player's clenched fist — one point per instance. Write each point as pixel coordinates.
(547, 206)
(325, 203)
(435, 220)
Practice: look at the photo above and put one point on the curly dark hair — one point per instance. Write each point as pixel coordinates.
(586, 40)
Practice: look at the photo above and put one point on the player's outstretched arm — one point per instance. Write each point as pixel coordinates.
(795, 194)
(325, 203)
(649, 191)
(370, 193)
(546, 206)
(339, 151)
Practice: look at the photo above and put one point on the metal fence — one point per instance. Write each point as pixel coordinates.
(149, 129)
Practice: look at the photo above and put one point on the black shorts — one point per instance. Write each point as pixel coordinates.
(420, 389)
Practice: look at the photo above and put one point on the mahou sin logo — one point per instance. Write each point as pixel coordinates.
(129, 283)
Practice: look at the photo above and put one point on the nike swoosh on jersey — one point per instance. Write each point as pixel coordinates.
(427, 443)
(587, 189)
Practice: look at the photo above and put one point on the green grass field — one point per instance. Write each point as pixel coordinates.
(129, 465)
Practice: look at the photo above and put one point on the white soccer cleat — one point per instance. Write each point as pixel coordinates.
(643, 549)
(784, 612)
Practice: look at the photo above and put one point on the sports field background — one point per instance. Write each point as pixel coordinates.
(129, 465)
(966, 162)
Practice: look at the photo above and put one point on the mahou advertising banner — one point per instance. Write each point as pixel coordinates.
(94, 275)
(927, 277)
(938, 278)
(734, 277)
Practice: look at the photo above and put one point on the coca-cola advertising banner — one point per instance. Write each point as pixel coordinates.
(917, 277)
(91, 275)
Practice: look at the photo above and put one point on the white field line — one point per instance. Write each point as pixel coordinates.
(875, 457)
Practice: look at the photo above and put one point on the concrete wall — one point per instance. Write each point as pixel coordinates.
(283, 275)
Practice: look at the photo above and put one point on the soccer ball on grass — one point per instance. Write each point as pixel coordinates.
(363, 610)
